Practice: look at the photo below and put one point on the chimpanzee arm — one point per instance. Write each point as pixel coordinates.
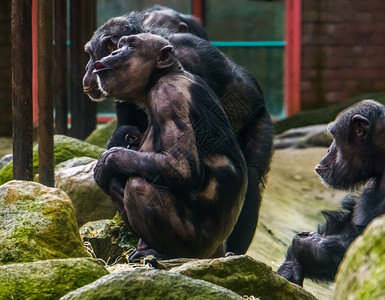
(172, 163)
(317, 255)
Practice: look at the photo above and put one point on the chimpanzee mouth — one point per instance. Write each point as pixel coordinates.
(99, 67)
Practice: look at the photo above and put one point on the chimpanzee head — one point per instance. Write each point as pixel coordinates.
(358, 150)
(164, 17)
(103, 42)
(127, 72)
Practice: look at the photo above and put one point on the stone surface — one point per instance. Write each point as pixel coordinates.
(362, 272)
(5, 160)
(150, 284)
(304, 137)
(48, 279)
(37, 223)
(100, 136)
(76, 178)
(110, 239)
(65, 148)
(245, 276)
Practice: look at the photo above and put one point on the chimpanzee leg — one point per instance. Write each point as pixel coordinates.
(157, 216)
(256, 145)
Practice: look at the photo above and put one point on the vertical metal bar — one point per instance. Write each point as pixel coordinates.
(22, 89)
(60, 67)
(292, 76)
(45, 92)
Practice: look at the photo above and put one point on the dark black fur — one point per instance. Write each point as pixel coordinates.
(186, 184)
(243, 102)
(173, 21)
(355, 157)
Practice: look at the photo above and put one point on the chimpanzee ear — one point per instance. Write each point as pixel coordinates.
(182, 27)
(361, 126)
(111, 42)
(166, 58)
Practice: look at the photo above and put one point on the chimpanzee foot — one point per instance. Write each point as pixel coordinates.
(144, 250)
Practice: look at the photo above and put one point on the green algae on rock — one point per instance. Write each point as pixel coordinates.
(361, 274)
(245, 276)
(64, 148)
(150, 284)
(48, 279)
(100, 136)
(37, 223)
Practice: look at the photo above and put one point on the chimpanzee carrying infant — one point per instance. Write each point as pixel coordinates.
(238, 91)
(186, 184)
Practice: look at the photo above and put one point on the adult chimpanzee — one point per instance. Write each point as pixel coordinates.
(174, 21)
(241, 98)
(356, 156)
(186, 184)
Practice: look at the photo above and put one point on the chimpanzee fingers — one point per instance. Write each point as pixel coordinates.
(292, 271)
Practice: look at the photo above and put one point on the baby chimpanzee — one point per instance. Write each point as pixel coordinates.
(186, 184)
(356, 156)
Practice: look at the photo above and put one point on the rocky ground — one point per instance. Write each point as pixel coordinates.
(293, 199)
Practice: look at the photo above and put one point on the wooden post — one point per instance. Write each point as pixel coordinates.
(22, 89)
(60, 67)
(75, 62)
(198, 9)
(45, 92)
(88, 17)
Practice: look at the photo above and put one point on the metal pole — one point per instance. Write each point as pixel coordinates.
(22, 89)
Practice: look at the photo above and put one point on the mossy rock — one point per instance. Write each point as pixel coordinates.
(76, 177)
(245, 276)
(37, 223)
(64, 148)
(110, 239)
(48, 279)
(149, 284)
(361, 274)
(100, 136)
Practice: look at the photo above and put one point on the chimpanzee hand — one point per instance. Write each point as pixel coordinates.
(107, 167)
(292, 271)
(300, 249)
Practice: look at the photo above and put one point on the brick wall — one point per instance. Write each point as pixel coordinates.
(5, 69)
(343, 50)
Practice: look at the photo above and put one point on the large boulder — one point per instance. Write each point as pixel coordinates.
(48, 279)
(100, 136)
(245, 276)
(37, 223)
(65, 148)
(361, 274)
(76, 178)
(150, 284)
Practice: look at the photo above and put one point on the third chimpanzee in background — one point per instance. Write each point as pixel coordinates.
(356, 157)
(238, 91)
(185, 186)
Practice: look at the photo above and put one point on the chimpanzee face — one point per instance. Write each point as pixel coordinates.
(125, 73)
(103, 42)
(351, 159)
